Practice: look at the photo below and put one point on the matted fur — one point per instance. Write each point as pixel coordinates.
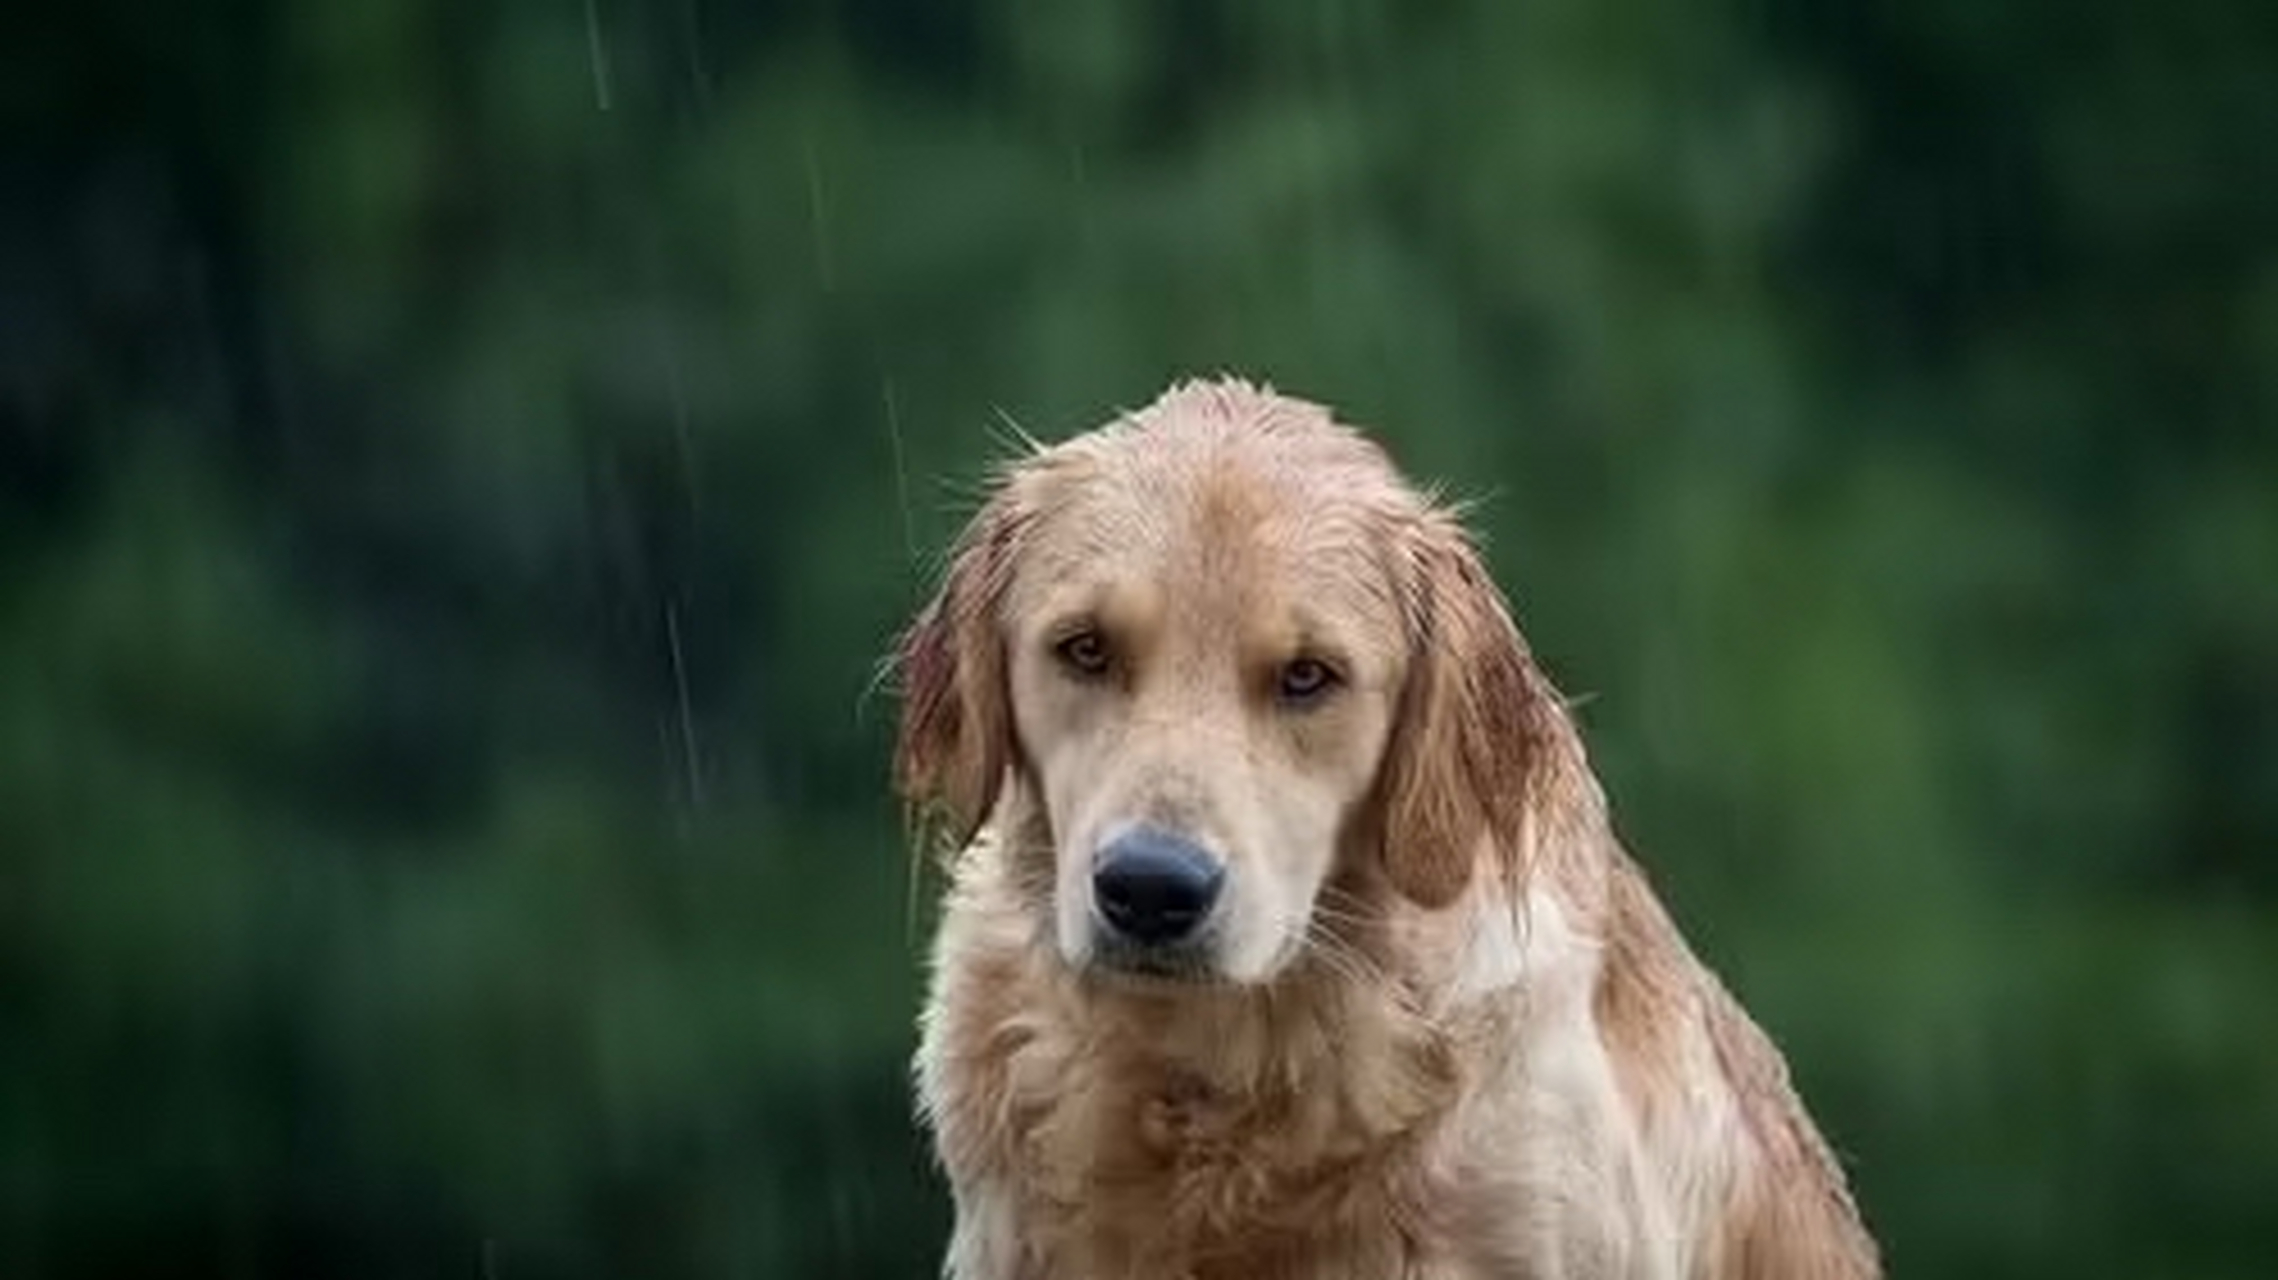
(1455, 1035)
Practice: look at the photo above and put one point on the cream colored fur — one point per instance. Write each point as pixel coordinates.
(1452, 1035)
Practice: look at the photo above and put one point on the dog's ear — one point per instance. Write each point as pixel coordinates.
(1475, 725)
(955, 739)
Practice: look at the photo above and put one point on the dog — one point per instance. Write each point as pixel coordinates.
(1286, 932)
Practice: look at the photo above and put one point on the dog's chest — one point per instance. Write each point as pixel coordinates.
(1140, 1168)
(1095, 1135)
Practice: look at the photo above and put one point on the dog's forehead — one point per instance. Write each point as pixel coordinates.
(1217, 522)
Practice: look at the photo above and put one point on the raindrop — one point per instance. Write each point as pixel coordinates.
(598, 55)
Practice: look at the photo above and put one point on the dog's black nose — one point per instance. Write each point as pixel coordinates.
(1154, 887)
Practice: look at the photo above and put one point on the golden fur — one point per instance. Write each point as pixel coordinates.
(1450, 1033)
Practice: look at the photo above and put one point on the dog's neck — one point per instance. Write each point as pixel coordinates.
(1349, 1026)
(1313, 1048)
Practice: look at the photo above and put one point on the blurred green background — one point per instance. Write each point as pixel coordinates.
(461, 463)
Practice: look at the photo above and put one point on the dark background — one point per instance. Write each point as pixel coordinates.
(461, 463)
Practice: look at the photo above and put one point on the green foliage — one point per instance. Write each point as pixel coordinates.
(462, 464)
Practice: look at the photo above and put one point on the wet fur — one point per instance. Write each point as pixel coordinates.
(1493, 1057)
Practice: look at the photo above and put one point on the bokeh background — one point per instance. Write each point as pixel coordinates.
(461, 464)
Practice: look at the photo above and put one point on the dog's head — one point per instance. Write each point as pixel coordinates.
(1232, 656)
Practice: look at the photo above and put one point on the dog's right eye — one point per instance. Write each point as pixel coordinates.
(1304, 681)
(1084, 653)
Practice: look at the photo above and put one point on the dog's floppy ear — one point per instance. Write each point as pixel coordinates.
(955, 739)
(1475, 725)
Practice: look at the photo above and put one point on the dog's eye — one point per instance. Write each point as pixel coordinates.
(1304, 680)
(1084, 653)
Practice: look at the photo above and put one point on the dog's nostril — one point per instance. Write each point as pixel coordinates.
(1154, 887)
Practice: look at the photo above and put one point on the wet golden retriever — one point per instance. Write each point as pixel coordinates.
(1288, 936)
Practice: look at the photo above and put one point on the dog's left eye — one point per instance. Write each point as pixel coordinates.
(1304, 680)
(1085, 653)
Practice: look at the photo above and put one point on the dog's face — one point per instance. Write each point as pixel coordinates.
(1229, 657)
(1202, 695)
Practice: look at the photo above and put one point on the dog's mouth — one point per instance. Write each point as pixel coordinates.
(1190, 965)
